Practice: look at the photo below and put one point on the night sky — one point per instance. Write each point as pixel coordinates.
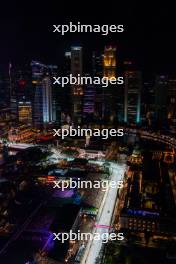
(149, 38)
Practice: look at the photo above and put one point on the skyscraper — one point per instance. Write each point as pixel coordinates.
(97, 71)
(56, 95)
(161, 95)
(109, 62)
(66, 92)
(25, 112)
(42, 110)
(171, 114)
(47, 100)
(97, 64)
(4, 90)
(110, 92)
(89, 99)
(77, 90)
(148, 103)
(132, 100)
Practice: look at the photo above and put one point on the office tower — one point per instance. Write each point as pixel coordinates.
(109, 94)
(148, 103)
(161, 95)
(56, 95)
(120, 104)
(5, 120)
(97, 71)
(171, 88)
(20, 87)
(13, 99)
(67, 63)
(25, 112)
(42, 110)
(171, 114)
(109, 62)
(77, 90)
(5, 110)
(97, 64)
(66, 92)
(47, 99)
(132, 100)
(23, 83)
(4, 90)
(89, 101)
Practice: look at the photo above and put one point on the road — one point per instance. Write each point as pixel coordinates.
(104, 218)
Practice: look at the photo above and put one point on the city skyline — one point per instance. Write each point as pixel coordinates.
(87, 132)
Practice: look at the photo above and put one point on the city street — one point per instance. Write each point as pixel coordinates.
(105, 214)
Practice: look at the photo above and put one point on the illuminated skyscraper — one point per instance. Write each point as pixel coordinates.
(97, 71)
(47, 100)
(106, 103)
(109, 62)
(77, 90)
(132, 102)
(109, 109)
(66, 91)
(56, 95)
(89, 99)
(67, 63)
(20, 87)
(42, 113)
(25, 112)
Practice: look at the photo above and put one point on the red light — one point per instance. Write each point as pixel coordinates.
(22, 82)
(50, 178)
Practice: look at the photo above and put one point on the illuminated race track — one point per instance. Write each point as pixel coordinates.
(93, 247)
(104, 217)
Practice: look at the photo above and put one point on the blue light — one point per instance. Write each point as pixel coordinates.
(142, 212)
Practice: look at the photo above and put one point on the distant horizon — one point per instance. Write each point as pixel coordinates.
(148, 39)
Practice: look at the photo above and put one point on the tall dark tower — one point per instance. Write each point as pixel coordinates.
(77, 90)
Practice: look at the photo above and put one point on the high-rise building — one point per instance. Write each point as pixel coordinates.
(97, 64)
(110, 93)
(67, 63)
(77, 90)
(132, 98)
(109, 62)
(41, 79)
(161, 95)
(56, 95)
(97, 71)
(25, 112)
(171, 114)
(4, 90)
(148, 103)
(89, 100)
(20, 87)
(47, 100)
(66, 91)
